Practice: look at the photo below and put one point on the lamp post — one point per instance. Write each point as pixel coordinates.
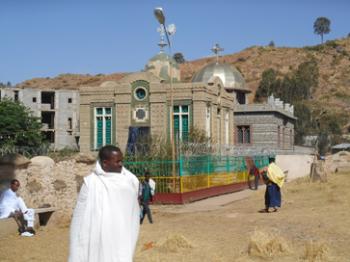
(159, 14)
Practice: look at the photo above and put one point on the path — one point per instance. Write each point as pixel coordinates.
(208, 204)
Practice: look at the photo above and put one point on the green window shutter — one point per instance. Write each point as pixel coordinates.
(176, 126)
(185, 127)
(108, 130)
(99, 131)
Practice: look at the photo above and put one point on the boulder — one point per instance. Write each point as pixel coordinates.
(86, 158)
(42, 161)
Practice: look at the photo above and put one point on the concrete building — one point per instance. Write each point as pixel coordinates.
(267, 127)
(214, 101)
(139, 104)
(57, 109)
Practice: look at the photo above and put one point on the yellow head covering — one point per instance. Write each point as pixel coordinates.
(275, 174)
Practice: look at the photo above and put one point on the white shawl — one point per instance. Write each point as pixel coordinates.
(106, 219)
(8, 203)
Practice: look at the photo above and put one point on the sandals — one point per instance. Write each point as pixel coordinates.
(266, 210)
(263, 210)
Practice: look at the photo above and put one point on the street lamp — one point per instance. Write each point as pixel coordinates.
(159, 14)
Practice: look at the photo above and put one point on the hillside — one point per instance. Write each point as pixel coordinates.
(69, 81)
(333, 60)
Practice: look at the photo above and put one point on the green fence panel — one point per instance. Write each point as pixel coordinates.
(195, 165)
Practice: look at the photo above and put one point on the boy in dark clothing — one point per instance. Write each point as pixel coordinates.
(146, 197)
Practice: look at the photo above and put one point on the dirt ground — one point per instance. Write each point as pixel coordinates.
(313, 225)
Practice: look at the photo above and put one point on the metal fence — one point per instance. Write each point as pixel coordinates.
(197, 172)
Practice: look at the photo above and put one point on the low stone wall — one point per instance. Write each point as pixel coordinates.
(339, 162)
(46, 183)
(296, 165)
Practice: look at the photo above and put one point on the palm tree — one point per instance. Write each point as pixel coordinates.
(322, 26)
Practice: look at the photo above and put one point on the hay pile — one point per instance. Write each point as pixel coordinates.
(316, 251)
(173, 243)
(267, 245)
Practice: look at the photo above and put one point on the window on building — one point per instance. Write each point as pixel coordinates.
(181, 122)
(243, 134)
(218, 125)
(70, 123)
(227, 128)
(70, 100)
(48, 120)
(103, 126)
(16, 96)
(34, 99)
(240, 96)
(48, 98)
(208, 122)
(49, 136)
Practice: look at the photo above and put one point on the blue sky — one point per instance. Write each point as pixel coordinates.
(44, 38)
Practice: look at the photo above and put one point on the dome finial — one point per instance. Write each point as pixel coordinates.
(216, 49)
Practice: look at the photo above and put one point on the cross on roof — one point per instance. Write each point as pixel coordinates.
(216, 49)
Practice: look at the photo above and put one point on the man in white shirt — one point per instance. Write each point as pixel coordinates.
(12, 205)
(105, 222)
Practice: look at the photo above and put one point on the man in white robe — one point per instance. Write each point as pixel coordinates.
(12, 205)
(105, 222)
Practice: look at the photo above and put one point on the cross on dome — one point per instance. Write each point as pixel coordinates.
(216, 49)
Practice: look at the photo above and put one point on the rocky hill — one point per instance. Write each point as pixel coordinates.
(333, 60)
(69, 81)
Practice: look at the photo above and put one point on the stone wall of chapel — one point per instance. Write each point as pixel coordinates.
(85, 126)
(159, 119)
(123, 115)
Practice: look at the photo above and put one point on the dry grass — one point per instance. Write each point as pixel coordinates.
(267, 245)
(312, 225)
(316, 251)
(173, 243)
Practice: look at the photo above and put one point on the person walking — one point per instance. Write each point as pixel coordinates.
(147, 193)
(274, 179)
(254, 174)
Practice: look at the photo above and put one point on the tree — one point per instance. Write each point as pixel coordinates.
(179, 58)
(267, 86)
(304, 121)
(306, 77)
(322, 26)
(272, 44)
(18, 127)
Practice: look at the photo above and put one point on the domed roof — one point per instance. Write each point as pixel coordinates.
(229, 75)
(160, 64)
(161, 56)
